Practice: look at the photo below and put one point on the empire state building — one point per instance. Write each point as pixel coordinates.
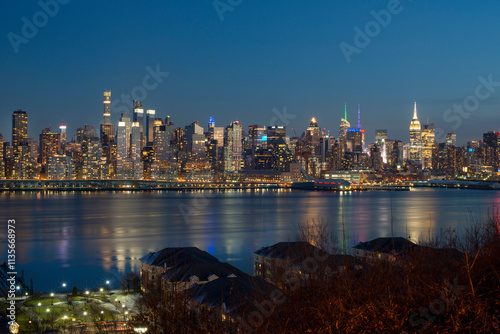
(415, 147)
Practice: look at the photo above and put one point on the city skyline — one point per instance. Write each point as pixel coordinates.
(249, 64)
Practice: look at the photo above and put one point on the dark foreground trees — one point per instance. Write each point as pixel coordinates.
(435, 290)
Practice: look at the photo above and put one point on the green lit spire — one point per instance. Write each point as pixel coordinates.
(345, 111)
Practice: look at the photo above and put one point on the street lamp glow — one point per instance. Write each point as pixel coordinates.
(123, 305)
(65, 317)
(18, 288)
(86, 292)
(64, 285)
(101, 289)
(48, 310)
(84, 313)
(39, 304)
(52, 294)
(107, 282)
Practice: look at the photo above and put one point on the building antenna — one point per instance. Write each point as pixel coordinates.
(359, 117)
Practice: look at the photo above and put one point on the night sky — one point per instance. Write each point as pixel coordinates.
(263, 55)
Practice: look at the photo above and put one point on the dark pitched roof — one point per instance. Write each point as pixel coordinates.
(296, 252)
(291, 251)
(234, 293)
(202, 270)
(387, 245)
(177, 257)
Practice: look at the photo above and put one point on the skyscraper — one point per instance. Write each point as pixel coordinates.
(107, 129)
(106, 115)
(415, 147)
(428, 141)
(149, 126)
(50, 145)
(139, 119)
(344, 124)
(232, 147)
(313, 133)
(19, 127)
(62, 134)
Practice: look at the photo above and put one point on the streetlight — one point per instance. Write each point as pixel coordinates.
(39, 304)
(64, 287)
(116, 303)
(52, 295)
(87, 294)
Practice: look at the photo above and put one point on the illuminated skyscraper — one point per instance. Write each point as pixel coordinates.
(139, 119)
(19, 127)
(62, 134)
(149, 126)
(428, 142)
(415, 146)
(313, 134)
(50, 145)
(232, 147)
(135, 151)
(106, 115)
(107, 130)
(380, 140)
(344, 124)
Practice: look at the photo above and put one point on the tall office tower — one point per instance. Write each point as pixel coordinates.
(257, 137)
(428, 139)
(107, 133)
(86, 132)
(192, 130)
(135, 151)
(451, 139)
(62, 134)
(415, 147)
(135, 142)
(149, 126)
(106, 115)
(168, 121)
(313, 133)
(217, 134)
(380, 140)
(19, 127)
(50, 145)
(139, 119)
(344, 124)
(357, 136)
(211, 123)
(233, 147)
(161, 145)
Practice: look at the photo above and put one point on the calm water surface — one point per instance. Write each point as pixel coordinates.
(84, 239)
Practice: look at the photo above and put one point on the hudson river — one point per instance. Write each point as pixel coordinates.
(84, 239)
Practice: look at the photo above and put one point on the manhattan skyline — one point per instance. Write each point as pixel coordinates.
(260, 57)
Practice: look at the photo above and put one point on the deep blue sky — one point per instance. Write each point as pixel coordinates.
(264, 55)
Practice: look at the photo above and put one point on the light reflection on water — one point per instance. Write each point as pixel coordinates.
(87, 238)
